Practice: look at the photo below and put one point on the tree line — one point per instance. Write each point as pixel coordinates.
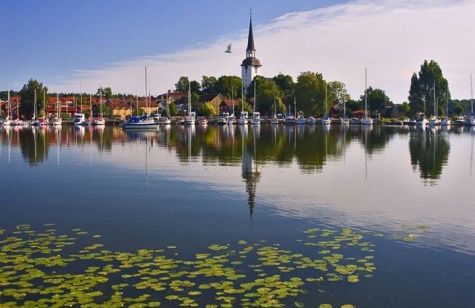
(311, 94)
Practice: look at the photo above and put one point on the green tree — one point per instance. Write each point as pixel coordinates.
(182, 85)
(375, 99)
(405, 108)
(208, 85)
(266, 95)
(458, 109)
(337, 92)
(27, 94)
(106, 92)
(428, 87)
(285, 83)
(207, 110)
(310, 93)
(172, 109)
(229, 86)
(354, 105)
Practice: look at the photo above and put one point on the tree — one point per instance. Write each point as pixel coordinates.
(229, 86)
(285, 83)
(182, 85)
(375, 99)
(458, 109)
(106, 92)
(337, 92)
(172, 109)
(353, 105)
(195, 87)
(27, 94)
(310, 93)
(427, 88)
(207, 110)
(208, 85)
(267, 94)
(404, 107)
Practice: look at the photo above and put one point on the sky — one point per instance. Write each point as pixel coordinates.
(81, 45)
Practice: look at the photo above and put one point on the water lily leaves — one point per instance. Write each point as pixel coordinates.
(34, 263)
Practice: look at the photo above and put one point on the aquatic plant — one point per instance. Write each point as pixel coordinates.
(46, 269)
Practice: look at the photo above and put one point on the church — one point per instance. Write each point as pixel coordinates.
(250, 65)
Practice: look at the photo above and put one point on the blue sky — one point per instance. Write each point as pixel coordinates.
(80, 45)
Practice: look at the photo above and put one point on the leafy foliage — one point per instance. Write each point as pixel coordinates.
(27, 94)
(207, 110)
(428, 88)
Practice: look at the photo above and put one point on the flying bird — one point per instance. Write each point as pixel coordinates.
(229, 49)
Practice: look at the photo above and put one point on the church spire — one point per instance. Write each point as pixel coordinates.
(250, 65)
(251, 49)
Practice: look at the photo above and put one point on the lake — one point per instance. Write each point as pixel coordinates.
(236, 216)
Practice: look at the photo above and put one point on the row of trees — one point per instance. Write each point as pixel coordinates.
(428, 93)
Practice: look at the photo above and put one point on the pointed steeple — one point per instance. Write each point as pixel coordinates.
(250, 65)
(250, 41)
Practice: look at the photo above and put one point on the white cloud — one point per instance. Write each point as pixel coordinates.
(389, 38)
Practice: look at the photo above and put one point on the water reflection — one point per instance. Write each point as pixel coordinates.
(429, 150)
(309, 147)
(251, 172)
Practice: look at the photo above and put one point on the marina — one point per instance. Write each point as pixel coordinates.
(369, 216)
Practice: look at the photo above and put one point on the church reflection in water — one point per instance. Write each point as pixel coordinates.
(250, 168)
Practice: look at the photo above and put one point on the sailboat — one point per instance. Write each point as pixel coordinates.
(471, 118)
(190, 118)
(366, 119)
(57, 120)
(34, 120)
(344, 120)
(274, 119)
(8, 119)
(244, 114)
(165, 120)
(100, 119)
(434, 120)
(231, 119)
(289, 117)
(256, 116)
(143, 122)
(300, 116)
(326, 119)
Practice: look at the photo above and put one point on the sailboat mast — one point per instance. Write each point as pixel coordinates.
(168, 112)
(57, 103)
(189, 98)
(232, 95)
(146, 92)
(254, 107)
(90, 105)
(35, 108)
(471, 94)
(9, 107)
(326, 99)
(365, 91)
(44, 101)
(242, 96)
(295, 106)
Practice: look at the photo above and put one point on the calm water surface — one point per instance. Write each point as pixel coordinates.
(276, 201)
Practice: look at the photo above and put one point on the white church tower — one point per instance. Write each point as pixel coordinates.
(250, 65)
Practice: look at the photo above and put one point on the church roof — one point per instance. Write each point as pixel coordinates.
(250, 39)
(251, 62)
